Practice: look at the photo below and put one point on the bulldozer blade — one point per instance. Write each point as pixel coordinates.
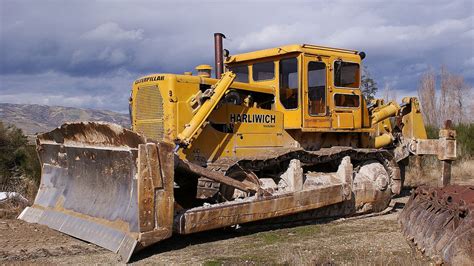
(101, 183)
(440, 223)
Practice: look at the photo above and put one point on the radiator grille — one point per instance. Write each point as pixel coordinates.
(149, 112)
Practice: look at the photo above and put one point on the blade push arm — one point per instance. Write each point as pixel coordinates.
(213, 95)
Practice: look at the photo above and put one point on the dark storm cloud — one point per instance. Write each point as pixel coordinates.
(87, 53)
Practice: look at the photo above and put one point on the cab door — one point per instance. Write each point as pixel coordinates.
(315, 109)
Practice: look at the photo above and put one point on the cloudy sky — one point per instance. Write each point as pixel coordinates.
(87, 53)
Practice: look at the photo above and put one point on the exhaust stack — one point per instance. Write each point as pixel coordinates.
(218, 50)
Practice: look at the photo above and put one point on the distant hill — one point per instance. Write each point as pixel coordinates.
(34, 118)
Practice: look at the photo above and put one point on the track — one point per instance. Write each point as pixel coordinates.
(325, 156)
(279, 159)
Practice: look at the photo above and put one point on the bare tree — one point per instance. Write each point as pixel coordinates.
(444, 104)
(458, 89)
(427, 95)
(453, 101)
(469, 114)
(389, 94)
(368, 85)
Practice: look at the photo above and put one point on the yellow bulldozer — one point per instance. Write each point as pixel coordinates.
(278, 132)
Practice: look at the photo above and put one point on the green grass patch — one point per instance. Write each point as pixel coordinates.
(270, 238)
(307, 230)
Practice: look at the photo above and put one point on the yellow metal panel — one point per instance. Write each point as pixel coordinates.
(258, 140)
(193, 79)
(343, 120)
(365, 114)
(323, 123)
(355, 112)
(259, 128)
(414, 126)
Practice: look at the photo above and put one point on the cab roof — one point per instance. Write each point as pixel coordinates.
(292, 48)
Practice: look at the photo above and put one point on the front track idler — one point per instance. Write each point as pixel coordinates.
(440, 223)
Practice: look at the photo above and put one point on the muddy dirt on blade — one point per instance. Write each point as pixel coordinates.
(88, 185)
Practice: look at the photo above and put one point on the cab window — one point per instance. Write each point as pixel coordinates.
(346, 100)
(241, 72)
(289, 83)
(346, 74)
(263, 71)
(316, 88)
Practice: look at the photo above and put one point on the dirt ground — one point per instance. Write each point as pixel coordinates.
(374, 240)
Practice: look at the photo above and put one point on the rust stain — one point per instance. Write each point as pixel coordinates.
(440, 222)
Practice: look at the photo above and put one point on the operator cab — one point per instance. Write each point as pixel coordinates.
(317, 88)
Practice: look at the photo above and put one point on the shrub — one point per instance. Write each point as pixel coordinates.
(465, 140)
(432, 132)
(19, 164)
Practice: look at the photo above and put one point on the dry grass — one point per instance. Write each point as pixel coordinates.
(11, 208)
(463, 172)
(430, 173)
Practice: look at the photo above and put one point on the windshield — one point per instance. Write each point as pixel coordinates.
(346, 74)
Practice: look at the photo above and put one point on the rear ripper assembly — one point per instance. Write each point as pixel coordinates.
(439, 221)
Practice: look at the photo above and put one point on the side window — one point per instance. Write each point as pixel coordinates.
(289, 83)
(346, 74)
(346, 100)
(241, 72)
(316, 88)
(263, 71)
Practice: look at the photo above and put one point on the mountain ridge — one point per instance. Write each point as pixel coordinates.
(36, 118)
